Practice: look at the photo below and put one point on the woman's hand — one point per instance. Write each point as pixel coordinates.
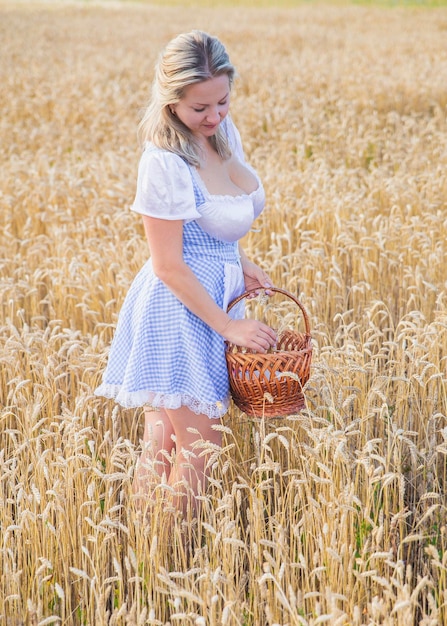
(250, 334)
(255, 277)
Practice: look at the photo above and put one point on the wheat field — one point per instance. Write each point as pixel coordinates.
(336, 515)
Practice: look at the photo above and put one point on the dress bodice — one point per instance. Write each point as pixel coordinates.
(224, 216)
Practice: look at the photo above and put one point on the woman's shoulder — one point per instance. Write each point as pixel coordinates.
(161, 157)
(163, 165)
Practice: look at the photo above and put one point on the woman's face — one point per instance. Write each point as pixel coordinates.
(204, 105)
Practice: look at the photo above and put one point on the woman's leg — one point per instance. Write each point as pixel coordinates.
(192, 432)
(157, 448)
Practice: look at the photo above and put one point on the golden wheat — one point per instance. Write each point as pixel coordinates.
(333, 516)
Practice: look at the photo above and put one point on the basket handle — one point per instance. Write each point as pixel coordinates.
(278, 290)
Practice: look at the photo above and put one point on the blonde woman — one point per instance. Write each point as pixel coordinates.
(198, 197)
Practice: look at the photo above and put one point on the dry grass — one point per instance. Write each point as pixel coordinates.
(334, 516)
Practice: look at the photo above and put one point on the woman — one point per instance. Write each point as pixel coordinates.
(198, 197)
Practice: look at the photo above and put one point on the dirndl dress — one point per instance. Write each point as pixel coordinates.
(162, 354)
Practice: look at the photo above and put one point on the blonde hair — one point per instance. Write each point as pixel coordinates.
(189, 58)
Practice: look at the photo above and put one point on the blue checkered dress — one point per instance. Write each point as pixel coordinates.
(164, 355)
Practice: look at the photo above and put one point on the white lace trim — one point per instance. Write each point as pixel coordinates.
(135, 399)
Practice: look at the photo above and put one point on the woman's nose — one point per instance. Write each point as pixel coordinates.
(213, 116)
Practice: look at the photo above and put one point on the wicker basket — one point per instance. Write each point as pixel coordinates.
(271, 384)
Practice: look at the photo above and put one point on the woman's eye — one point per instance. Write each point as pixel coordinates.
(221, 104)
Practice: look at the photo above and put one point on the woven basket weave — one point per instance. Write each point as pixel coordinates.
(271, 384)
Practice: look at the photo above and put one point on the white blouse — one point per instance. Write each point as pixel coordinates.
(165, 189)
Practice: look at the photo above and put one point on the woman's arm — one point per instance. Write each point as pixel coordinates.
(165, 238)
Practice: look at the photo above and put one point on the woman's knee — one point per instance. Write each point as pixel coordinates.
(194, 432)
(158, 431)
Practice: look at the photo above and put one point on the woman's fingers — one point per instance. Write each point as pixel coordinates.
(250, 334)
(269, 333)
(265, 338)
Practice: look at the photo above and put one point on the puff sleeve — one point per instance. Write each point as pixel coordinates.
(164, 187)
